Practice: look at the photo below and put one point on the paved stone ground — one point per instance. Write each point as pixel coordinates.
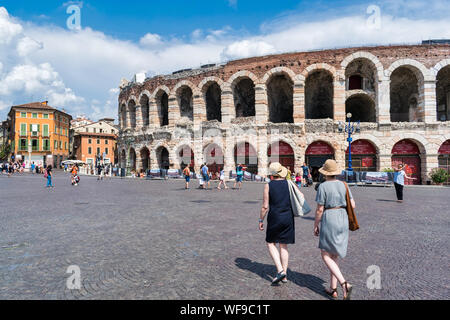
(137, 239)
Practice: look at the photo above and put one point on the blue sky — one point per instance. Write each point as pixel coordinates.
(40, 58)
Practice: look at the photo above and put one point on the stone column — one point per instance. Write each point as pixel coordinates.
(299, 101)
(384, 161)
(263, 159)
(228, 154)
(138, 161)
(139, 120)
(261, 104)
(199, 108)
(174, 111)
(429, 162)
(383, 112)
(227, 104)
(339, 97)
(198, 150)
(153, 113)
(430, 113)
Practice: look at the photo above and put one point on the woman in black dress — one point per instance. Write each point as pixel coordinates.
(280, 220)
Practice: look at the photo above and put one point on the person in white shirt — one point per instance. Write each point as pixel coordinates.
(399, 181)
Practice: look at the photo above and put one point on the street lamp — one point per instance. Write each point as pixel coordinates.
(350, 128)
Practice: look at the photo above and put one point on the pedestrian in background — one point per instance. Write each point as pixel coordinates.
(399, 181)
(222, 179)
(331, 215)
(206, 178)
(239, 176)
(280, 219)
(49, 176)
(187, 177)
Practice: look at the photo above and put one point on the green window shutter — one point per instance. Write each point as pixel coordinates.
(39, 128)
(37, 144)
(31, 127)
(46, 130)
(23, 129)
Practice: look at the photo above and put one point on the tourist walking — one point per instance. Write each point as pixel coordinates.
(222, 179)
(399, 181)
(187, 177)
(205, 175)
(33, 166)
(333, 232)
(306, 174)
(49, 175)
(239, 176)
(280, 219)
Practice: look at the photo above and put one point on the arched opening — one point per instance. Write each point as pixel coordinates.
(444, 158)
(186, 102)
(244, 98)
(132, 112)
(213, 100)
(283, 153)
(443, 94)
(145, 159)
(132, 159)
(162, 101)
(316, 154)
(186, 158)
(364, 156)
(405, 104)
(245, 154)
(214, 158)
(280, 94)
(362, 108)
(145, 109)
(407, 152)
(162, 155)
(123, 116)
(319, 94)
(361, 74)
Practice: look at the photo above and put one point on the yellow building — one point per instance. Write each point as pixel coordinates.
(39, 134)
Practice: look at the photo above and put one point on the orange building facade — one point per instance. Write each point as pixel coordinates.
(89, 145)
(39, 134)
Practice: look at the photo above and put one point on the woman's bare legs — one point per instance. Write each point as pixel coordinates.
(336, 275)
(284, 255)
(273, 250)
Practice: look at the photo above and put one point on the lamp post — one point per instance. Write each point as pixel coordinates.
(350, 128)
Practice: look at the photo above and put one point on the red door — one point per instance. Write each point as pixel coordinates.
(412, 167)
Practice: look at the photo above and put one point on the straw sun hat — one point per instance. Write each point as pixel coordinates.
(330, 168)
(276, 169)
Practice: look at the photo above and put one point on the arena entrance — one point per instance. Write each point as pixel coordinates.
(317, 153)
(214, 158)
(163, 158)
(283, 153)
(444, 158)
(246, 155)
(408, 153)
(364, 156)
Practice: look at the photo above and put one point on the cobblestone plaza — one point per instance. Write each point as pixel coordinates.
(137, 239)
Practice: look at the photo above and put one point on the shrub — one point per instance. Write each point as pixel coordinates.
(439, 175)
(388, 170)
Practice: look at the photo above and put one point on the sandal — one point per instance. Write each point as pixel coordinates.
(280, 276)
(331, 293)
(348, 289)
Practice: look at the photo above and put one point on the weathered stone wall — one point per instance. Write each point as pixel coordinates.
(248, 93)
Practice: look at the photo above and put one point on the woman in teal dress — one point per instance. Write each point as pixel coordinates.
(331, 214)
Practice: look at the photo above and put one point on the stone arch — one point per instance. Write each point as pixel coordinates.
(213, 156)
(280, 95)
(319, 91)
(132, 111)
(212, 97)
(185, 155)
(123, 115)
(161, 96)
(292, 162)
(443, 91)
(144, 102)
(418, 139)
(145, 158)
(185, 99)
(244, 95)
(160, 157)
(132, 158)
(368, 56)
(319, 66)
(245, 153)
(406, 84)
(278, 71)
(420, 70)
(362, 107)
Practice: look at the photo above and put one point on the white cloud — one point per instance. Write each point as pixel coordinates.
(75, 67)
(150, 40)
(247, 48)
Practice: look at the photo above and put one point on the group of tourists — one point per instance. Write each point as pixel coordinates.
(206, 176)
(331, 222)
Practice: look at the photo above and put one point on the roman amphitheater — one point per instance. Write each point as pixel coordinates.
(292, 108)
